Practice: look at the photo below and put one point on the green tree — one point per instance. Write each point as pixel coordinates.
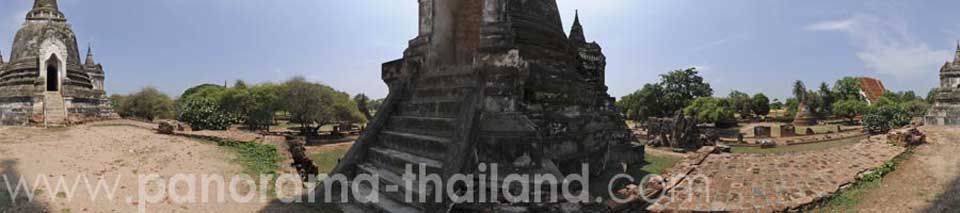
(149, 104)
(792, 106)
(761, 104)
(814, 102)
(776, 105)
(266, 102)
(827, 98)
(710, 110)
(236, 101)
(886, 101)
(375, 105)
(308, 104)
(116, 101)
(881, 119)
(916, 108)
(908, 96)
(205, 90)
(314, 105)
(741, 103)
(240, 84)
(849, 109)
(644, 103)
(847, 88)
(204, 113)
(799, 91)
(363, 103)
(681, 87)
(932, 96)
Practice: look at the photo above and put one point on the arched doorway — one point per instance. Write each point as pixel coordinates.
(53, 74)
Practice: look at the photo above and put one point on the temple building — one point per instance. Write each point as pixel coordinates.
(871, 89)
(946, 109)
(484, 83)
(44, 82)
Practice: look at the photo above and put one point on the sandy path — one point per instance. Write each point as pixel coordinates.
(927, 182)
(117, 154)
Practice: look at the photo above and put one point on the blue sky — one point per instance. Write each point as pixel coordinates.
(748, 45)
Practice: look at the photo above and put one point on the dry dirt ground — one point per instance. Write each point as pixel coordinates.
(118, 154)
(927, 182)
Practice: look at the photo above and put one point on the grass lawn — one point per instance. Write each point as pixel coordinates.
(326, 159)
(656, 164)
(798, 148)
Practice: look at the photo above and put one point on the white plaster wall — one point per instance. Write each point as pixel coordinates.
(48, 49)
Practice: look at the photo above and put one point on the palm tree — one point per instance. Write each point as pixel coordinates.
(800, 91)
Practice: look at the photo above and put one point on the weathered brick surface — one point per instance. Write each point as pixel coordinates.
(758, 182)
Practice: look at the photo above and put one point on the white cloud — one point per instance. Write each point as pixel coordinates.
(832, 25)
(886, 46)
(700, 68)
(718, 42)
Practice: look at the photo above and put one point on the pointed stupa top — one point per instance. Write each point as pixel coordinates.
(45, 10)
(576, 32)
(89, 60)
(45, 3)
(956, 58)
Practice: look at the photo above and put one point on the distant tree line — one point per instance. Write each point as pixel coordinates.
(217, 107)
(844, 100)
(686, 92)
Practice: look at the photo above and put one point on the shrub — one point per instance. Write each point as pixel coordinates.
(711, 110)
(849, 109)
(204, 113)
(149, 104)
(882, 119)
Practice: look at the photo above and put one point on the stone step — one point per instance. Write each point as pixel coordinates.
(430, 107)
(397, 161)
(443, 92)
(432, 126)
(449, 72)
(54, 109)
(422, 145)
(382, 204)
(389, 180)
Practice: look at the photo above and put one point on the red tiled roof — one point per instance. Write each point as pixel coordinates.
(872, 88)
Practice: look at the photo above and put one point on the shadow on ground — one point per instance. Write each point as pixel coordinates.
(318, 206)
(949, 201)
(21, 203)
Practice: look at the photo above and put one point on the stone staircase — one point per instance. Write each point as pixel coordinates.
(54, 111)
(422, 130)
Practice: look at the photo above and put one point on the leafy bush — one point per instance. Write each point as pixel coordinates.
(710, 110)
(761, 104)
(882, 119)
(314, 105)
(149, 104)
(264, 101)
(849, 109)
(204, 113)
(916, 108)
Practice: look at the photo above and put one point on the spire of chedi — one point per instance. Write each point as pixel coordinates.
(89, 61)
(45, 10)
(956, 58)
(576, 32)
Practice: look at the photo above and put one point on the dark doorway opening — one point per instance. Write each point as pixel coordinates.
(53, 73)
(52, 76)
